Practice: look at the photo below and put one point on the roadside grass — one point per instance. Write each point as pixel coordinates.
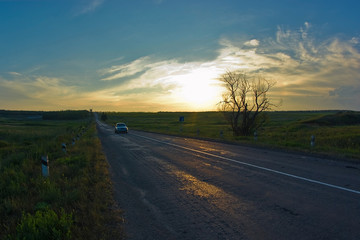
(74, 202)
(337, 133)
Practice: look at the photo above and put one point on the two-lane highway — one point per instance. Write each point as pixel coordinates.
(177, 188)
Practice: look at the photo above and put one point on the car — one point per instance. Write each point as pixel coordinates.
(121, 128)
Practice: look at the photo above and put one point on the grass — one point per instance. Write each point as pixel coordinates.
(337, 133)
(74, 202)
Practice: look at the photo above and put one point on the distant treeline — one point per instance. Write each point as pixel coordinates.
(7, 113)
(66, 115)
(53, 115)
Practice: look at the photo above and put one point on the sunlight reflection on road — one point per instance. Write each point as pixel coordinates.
(199, 188)
(230, 205)
(214, 195)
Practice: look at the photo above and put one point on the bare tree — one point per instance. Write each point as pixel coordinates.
(245, 101)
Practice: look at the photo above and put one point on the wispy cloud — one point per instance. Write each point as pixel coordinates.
(15, 74)
(128, 69)
(309, 74)
(90, 6)
(158, 1)
(40, 92)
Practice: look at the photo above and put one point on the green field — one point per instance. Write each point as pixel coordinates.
(75, 201)
(337, 133)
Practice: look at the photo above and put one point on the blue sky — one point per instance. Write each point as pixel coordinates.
(165, 55)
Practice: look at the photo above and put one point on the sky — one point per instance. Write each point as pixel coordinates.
(169, 55)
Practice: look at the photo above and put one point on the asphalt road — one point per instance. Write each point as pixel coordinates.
(179, 188)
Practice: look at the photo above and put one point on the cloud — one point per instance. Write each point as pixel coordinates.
(317, 66)
(164, 82)
(15, 74)
(40, 92)
(90, 6)
(252, 43)
(310, 74)
(125, 70)
(346, 95)
(313, 72)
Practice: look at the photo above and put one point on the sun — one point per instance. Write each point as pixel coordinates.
(200, 91)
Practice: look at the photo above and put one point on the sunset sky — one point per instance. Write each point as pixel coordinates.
(168, 55)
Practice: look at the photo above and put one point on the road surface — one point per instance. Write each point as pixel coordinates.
(180, 188)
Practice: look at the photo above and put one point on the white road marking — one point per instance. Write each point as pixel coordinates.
(252, 165)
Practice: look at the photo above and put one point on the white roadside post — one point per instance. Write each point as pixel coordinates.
(181, 120)
(63, 146)
(312, 142)
(45, 166)
(255, 136)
